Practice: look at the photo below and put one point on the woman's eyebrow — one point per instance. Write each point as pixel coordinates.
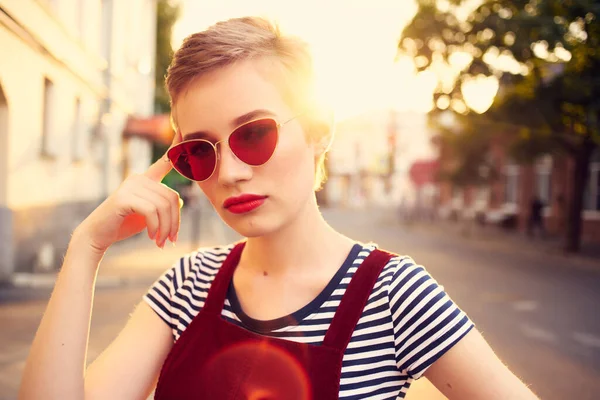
(249, 116)
(199, 135)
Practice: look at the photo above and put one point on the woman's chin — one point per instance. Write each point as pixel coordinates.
(251, 226)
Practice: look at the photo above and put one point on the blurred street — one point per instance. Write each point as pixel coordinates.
(538, 311)
(466, 135)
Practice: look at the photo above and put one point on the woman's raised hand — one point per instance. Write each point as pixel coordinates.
(140, 202)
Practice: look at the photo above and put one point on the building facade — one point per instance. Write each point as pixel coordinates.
(371, 155)
(71, 73)
(508, 199)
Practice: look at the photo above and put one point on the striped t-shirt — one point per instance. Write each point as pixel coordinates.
(407, 324)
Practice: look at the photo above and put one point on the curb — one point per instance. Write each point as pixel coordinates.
(498, 243)
(47, 281)
(26, 287)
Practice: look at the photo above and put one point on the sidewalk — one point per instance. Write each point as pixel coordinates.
(497, 239)
(137, 260)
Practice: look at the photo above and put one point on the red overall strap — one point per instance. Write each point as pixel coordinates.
(217, 293)
(355, 299)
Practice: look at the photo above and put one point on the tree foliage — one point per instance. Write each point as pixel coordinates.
(167, 13)
(471, 164)
(554, 45)
(546, 55)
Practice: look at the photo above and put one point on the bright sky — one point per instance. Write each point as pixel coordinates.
(353, 42)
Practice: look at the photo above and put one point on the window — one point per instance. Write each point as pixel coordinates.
(457, 197)
(47, 117)
(543, 179)
(482, 198)
(105, 29)
(79, 17)
(3, 146)
(591, 199)
(77, 133)
(511, 184)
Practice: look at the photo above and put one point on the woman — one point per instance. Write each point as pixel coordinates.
(297, 310)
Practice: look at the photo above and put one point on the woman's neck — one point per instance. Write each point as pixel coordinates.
(305, 242)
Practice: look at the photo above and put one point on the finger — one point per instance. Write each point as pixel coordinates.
(162, 166)
(159, 169)
(175, 202)
(142, 206)
(163, 209)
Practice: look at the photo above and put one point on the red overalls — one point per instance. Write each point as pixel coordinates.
(214, 359)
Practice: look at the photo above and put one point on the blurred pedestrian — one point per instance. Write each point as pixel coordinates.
(294, 311)
(536, 218)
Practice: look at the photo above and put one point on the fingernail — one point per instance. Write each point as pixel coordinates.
(180, 203)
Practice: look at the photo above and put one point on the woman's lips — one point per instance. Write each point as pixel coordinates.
(244, 203)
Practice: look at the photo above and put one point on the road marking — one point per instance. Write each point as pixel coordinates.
(525, 305)
(500, 297)
(539, 333)
(13, 356)
(587, 339)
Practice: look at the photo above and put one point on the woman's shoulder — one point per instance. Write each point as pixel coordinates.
(400, 271)
(201, 264)
(396, 261)
(211, 255)
(179, 294)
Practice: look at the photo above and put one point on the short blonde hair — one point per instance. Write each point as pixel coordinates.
(241, 39)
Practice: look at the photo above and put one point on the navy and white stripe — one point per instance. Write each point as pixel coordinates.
(407, 324)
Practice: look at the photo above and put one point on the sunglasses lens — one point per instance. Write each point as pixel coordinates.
(255, 142)
(195, 160)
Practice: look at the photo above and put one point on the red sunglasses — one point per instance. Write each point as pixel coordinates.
(252, 143)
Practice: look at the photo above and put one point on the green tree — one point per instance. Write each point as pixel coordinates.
(167, 13)
(549, 100)
(467, 145)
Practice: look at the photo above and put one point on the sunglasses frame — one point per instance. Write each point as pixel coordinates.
(278, 126)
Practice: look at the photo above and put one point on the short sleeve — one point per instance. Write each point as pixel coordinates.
(160, 296)
(427, 323)
(179, 294)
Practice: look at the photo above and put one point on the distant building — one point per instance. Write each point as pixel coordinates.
(509, 198)
(371, 156)
(71, 74)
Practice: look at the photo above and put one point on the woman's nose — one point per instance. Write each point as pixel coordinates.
(231, 169)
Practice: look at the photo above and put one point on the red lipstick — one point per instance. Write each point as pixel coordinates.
(244, 203)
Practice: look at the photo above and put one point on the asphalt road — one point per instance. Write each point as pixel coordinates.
(537, 311)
